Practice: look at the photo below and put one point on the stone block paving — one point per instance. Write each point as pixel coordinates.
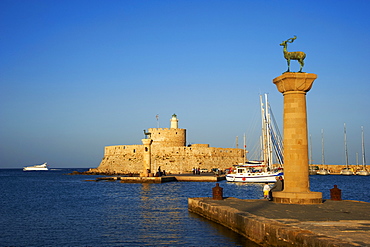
(348, 221)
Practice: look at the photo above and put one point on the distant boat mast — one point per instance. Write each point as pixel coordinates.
(363, 149)
(345, 145)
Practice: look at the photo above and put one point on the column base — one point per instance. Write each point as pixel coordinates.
(297, 197)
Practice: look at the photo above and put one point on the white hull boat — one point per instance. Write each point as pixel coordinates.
(262, 171)
(42, 167)
(249, 175)
(323, 172)
(346, 172)
(363, 173)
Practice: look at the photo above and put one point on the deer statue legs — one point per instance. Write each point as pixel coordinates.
(301, 63)
(288, 62)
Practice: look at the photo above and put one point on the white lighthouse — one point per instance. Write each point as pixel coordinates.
(174, 122)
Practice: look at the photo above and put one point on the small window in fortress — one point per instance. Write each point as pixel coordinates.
(134, 150)
(176, 133)
(146, 149)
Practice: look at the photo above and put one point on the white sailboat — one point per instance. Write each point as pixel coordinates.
(363, 172)
(346, 171)
(262, 171)
(322, 171)
(311, 169)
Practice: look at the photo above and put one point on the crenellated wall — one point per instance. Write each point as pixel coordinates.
(129, 158)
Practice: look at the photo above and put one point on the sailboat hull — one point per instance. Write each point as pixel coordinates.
(346, 172)
(323, 172)
(258, 177)
(363, 173)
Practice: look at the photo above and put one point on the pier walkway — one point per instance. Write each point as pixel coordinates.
(165, 179)
(332, 223)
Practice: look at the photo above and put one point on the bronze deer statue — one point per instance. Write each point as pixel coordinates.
(295, 55)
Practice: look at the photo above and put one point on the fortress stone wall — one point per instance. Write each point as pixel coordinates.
(168, 151)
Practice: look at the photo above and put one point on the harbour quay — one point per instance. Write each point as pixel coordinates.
(163, 179)
(331, 223)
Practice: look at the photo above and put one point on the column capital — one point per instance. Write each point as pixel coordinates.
(294, 81)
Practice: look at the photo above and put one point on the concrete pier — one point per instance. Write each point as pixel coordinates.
(164, 179)
(332, 223)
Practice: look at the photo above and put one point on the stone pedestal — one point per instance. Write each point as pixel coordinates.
(146, 157)
(296, 178)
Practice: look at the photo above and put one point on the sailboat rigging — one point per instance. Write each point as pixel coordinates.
(272, 146)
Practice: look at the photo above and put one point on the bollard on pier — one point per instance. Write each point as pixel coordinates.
(217, 192)
(336, 194)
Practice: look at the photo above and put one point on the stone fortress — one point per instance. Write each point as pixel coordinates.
(166, 148)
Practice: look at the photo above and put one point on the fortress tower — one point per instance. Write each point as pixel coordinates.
(172, 137)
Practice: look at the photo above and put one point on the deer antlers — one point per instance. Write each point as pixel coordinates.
(291, 39)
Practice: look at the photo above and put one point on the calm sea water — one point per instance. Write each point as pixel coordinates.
(54, 209)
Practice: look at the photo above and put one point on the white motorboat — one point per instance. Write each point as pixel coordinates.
(262, 171)
(42, 167)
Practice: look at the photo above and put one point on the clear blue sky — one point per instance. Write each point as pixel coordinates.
(76, 76)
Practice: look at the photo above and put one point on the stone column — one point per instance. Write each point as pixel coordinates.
(146, 157)
(294, 87)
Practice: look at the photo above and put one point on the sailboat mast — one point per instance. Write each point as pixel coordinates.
(268, 133)
(363, 149)
(322, 148)
(245, 149)
(264, 137)
(345, 145)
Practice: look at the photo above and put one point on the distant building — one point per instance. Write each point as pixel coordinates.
(166, 149)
